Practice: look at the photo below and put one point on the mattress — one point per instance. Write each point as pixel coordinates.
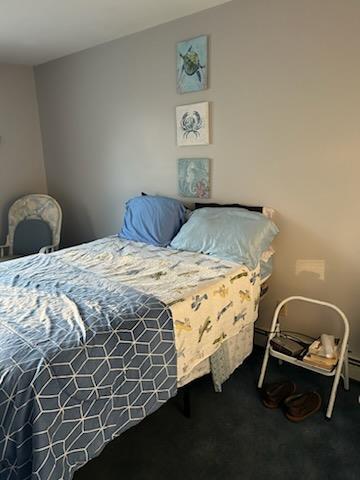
(212, 301)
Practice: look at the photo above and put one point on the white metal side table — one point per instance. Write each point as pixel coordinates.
(342, 367)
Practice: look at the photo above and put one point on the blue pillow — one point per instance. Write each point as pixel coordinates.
(152, 219)
(233, 234)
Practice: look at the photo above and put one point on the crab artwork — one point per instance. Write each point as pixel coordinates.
(192, 65)
(192, 123)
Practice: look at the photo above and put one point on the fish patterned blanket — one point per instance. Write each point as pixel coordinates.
(82, 359)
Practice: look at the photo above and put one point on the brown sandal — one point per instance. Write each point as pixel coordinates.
(300, 406)
(274, 394)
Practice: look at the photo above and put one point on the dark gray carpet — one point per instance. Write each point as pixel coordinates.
(232, 436)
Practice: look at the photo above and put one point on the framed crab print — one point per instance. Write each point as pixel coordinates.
(192, 124)
(193, 177)
(192, 64)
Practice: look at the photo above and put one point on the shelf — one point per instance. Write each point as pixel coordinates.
(300, 363)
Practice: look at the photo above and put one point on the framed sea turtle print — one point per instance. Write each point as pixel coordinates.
(193, 177)
(192, 124)
(192, 64)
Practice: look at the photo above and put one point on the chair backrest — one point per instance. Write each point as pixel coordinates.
(30, 236)
(35, 207)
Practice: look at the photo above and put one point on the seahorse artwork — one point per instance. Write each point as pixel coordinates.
(225, 309)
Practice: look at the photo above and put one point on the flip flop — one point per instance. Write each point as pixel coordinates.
(302, 405)
(274, 394)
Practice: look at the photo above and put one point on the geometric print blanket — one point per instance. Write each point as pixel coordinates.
(82, 359)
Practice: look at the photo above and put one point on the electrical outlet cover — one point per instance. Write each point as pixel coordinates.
(311, 266)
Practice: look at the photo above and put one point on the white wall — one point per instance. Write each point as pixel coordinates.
(285, 97)
(21, 158)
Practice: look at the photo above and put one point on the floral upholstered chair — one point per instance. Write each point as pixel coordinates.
(34, 227)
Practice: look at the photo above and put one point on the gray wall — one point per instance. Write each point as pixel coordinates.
(285, 97)
(21, 158)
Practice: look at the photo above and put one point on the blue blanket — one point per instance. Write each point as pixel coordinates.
(82, 359)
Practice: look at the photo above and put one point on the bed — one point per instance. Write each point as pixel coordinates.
(96, 337)
(192, 285)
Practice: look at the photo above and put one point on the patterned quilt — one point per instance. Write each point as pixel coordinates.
(83, 357)
(211, 300)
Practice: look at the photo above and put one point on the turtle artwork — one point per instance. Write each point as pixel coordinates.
(192, 65)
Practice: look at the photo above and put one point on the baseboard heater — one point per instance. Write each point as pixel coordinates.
(354, 368)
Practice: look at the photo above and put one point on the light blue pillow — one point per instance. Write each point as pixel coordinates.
(152, 219)
(233, 234)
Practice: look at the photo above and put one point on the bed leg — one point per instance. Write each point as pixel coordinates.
(187, 401)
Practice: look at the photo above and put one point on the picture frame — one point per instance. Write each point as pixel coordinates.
(192, 124)
(192, 64)
(194, 177)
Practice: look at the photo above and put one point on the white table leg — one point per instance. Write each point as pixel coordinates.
(346, 370)
(334, 389)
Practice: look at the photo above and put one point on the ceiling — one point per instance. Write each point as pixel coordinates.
(36, 31)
